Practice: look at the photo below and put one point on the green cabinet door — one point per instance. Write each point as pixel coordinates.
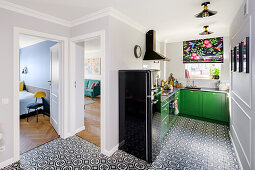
(191, 104)
(214, 106)
(165, 126)
(226, 108)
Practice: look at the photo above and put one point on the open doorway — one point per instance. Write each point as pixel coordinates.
(38, 90)
(91, 64)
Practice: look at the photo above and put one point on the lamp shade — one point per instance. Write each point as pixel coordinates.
(205, 32)
(206, 12)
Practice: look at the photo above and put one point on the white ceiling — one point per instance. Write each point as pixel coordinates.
(27, 40)
(173, 20)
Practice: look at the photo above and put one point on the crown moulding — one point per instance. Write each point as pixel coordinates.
(93, 16)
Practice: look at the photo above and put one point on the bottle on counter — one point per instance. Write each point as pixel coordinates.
(171, 77)
(171, 82)
(162, 83)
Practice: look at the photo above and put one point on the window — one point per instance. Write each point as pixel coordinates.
(200, 70)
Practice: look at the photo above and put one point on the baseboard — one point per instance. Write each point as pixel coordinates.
(6, 163)
(109, 153)
(79, 129)
(237, 155)
(54, 123)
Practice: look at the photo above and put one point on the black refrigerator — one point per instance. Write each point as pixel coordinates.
(139, 122)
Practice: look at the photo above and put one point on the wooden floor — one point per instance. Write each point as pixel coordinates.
(92, 122)
(33, 134)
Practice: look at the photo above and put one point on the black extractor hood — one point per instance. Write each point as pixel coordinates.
(151, 53)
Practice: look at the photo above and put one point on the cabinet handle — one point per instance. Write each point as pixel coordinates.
(165, 109)
(165, 123)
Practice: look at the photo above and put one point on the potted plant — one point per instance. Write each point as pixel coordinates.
(215, 73)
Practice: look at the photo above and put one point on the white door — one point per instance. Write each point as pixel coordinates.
(79, 85)
(55, 53)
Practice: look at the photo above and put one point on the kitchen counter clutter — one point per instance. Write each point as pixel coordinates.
(168, 93)
(205, 104)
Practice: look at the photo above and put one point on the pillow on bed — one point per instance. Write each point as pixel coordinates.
(21, 85)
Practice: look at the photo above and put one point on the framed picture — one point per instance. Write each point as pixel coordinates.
(233, 60)
(92, 66)
(245, 55)
(240, 56)
(236, 53)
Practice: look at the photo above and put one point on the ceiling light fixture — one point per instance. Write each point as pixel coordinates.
(206, 32)
(206, 12)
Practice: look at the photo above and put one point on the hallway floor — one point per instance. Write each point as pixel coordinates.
(190, 144)
(33, 133)
(91, 121)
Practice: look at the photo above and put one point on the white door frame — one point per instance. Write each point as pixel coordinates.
(63, 85)
(81, 38)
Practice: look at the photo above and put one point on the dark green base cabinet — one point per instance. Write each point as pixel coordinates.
(215, 106)
(208, 105)
(163, 108)
(192, 102)
(164, 118)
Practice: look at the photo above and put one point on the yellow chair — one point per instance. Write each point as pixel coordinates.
(35, 106)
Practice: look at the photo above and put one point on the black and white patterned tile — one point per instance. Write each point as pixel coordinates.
(190, 144)
(75, 153)
(195, 144)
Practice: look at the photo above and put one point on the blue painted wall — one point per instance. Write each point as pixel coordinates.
(37, 60)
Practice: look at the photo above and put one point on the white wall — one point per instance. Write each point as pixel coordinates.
(243, 93)
(8, 21)
(119, 55)
(174, 51)
(123, 39)
(86, 28)
(92, 49)
(120, 42)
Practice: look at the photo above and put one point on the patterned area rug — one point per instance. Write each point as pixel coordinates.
(190, 144)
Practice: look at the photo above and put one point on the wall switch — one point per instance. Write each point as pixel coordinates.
(5, 101)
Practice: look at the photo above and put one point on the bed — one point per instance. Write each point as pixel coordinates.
(24, 99)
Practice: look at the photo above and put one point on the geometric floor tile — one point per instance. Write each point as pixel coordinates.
(74, 153)
(189, 144)
(196, 144)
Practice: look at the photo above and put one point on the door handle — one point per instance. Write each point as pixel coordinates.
(49, 82)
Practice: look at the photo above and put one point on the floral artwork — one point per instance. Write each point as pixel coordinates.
(203, 51)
